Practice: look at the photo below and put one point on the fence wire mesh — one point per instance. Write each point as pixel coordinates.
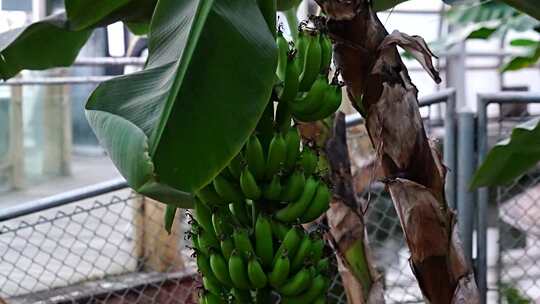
(103, 251)
(514, 225)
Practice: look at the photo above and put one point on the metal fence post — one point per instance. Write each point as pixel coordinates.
(450, 148)
(482, 208)
(465, 198)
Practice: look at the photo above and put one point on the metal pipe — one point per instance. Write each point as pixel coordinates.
(450, 148)
(482, 201)
(465, 198)
(61, 199)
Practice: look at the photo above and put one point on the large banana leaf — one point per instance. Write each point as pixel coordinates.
(41, 45)
(512, 157)
(91, 13)
(173, 126)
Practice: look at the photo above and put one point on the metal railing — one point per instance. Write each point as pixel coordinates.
(82, 246)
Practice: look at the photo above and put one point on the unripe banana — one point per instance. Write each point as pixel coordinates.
(317, 250)
(308, 161)
(255, 157)
(220, 269)
(315, 290)
(295, 209)
(207, 240)
(276, 155)
(292, 141)
(291, 82)
(238, 210)
(297, 284)
(301, 254)
(290, 243)
(279, 230)
(283, 53)
(272, 191)
(209, 195)
(195, 242)
(320, 300)
(301, 45)
(235, 166)
(313, 100)
(294, 186)
(243, 243)
(211, 298)
(280, 271)
(241, 296)
(283, 116)
(238, 271)
(227, 246)
(332, 102)
(256, 275)
(312, 62)
(326, 52)
(319, 204)
(249, 186)
(213, 286)
(203, 215)
(221, 221)
(264, 244)
(203, 265)
(170, 212)
(227, 190)
(323, 265)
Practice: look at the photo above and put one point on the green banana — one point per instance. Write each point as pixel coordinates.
(264, 244)
(294, 187)
(272, 191)
(209, 195)
(255, 157)
(276, 155)
(280, 271)
(320, 300)
(221, 221)
(203, 216)
(227, 190)
(283, 116)
(311, 101)
(279, 230)
(317, 249)
(301, 254)
(323, 265)
(256, 275)
(227, 246)
(290, 243)
(283, 53)
(243, 243)
(212, 285)
(319, 204)
(235, 166)
(249, 186)
(316, 289)
(206, 241)
(220, 269)
(211, 298)
(241, 296)
(326, 52)
(290, 80)
(239, 212)
(332, 102)
(295, 209)
(195, 241)
(308, 161)
(238, 271)
(301, 45)
(292, 142)
(203, 265)
(297, 284)
(170, 212)
(312, 62)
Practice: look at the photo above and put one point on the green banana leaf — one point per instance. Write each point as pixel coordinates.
(91, 13)
(512, 157)
(173, 126)
(530, 7)
(41, 45)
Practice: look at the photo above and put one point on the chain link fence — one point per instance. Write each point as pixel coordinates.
(111, 248)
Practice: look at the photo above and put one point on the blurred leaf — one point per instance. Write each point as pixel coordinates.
(529, 7)
(91, 13)
(523, 42)
(173, 126)
(512, 157)
(524, 61)
(138, 28)
(482, 33)
(41, 45)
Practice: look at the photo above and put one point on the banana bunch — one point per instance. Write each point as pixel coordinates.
(304, 87)
(236, 267)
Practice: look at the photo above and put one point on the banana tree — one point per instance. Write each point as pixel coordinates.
(208, 85)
